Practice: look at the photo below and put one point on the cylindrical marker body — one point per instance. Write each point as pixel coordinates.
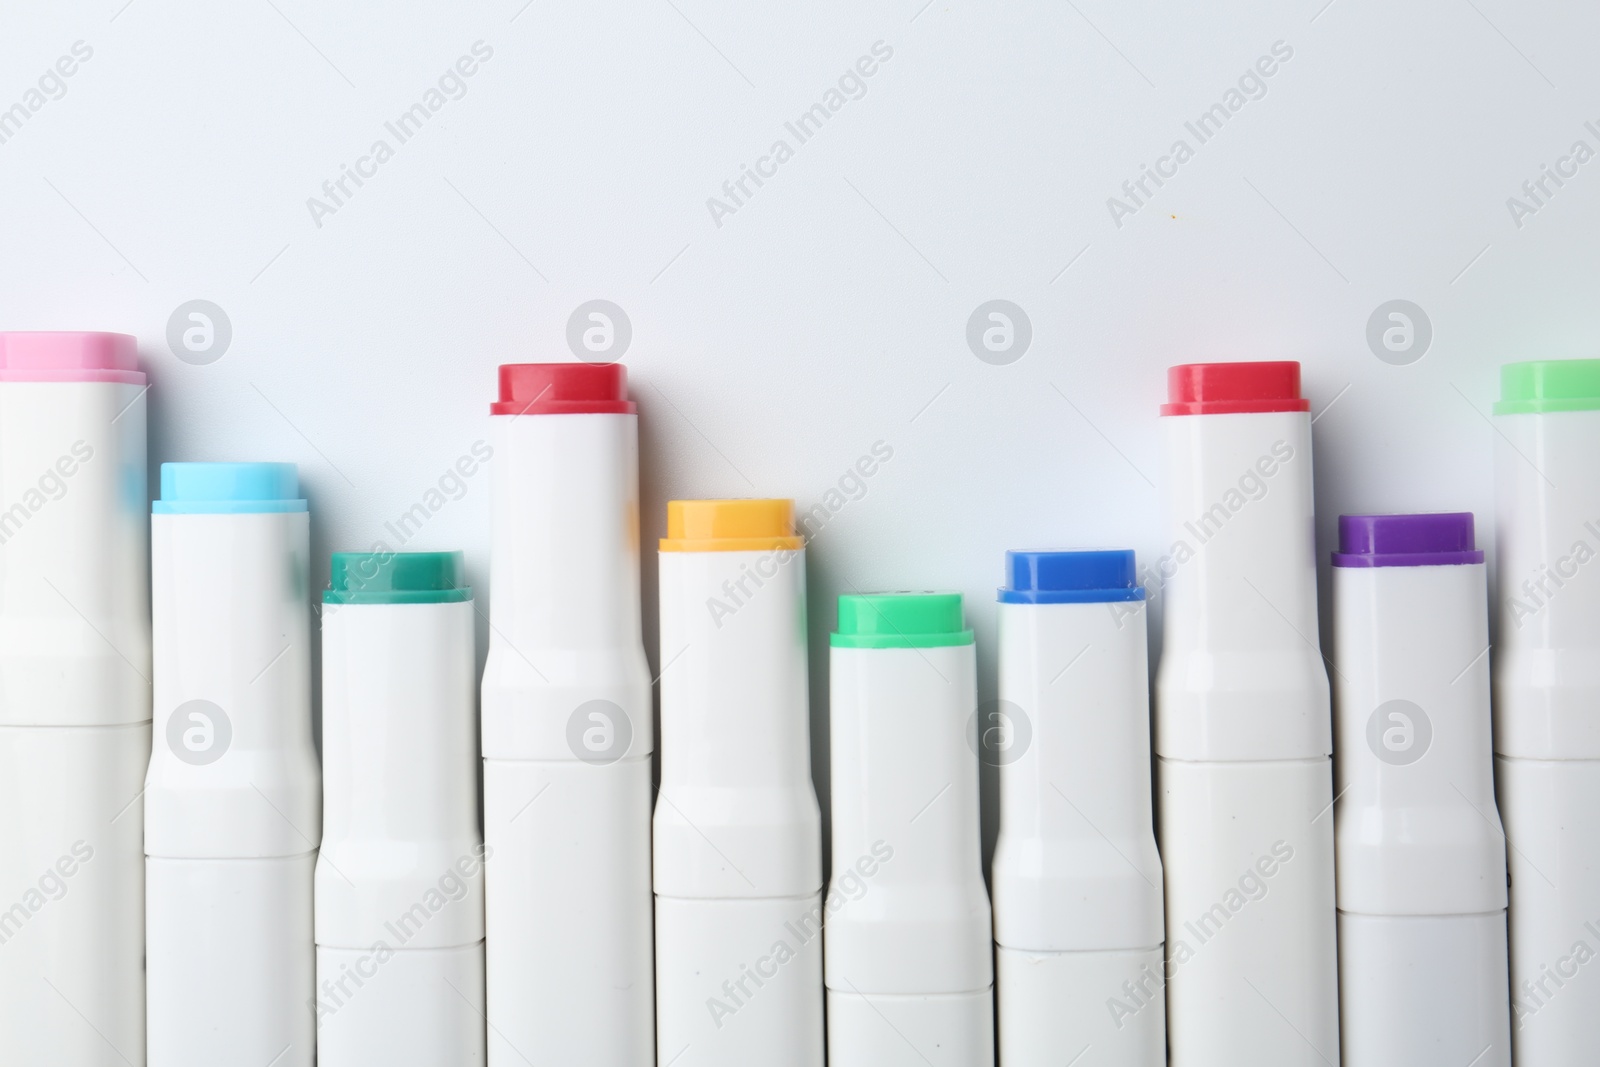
(909, 962)
(1243, 729)
(1421, 859)
(1547, 700)
(567, 727)
(399, 882)
(75, 713)
(1077, 879)
(738, 834)
(233, 798)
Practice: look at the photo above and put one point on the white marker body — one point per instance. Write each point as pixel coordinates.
(570, 976)
(1421, 859)
(738, 834)
(233, 799)
(74, 722)
(909, 962)
(1077, 879)
(1547, 725)
(399, 883)
(1243, 735)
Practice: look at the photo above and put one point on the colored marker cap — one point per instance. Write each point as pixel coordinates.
(900, 620)
(1549, 385)
(228, 489)
(1233, 388)
(68, 356)
(730, 526)
(563, 389)
(1431, 540)
(397, 578)
(1092, 576)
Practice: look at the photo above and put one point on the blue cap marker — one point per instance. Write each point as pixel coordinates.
(1091, 576)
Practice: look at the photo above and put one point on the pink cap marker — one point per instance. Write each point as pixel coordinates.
(75, 655)
(70, 356)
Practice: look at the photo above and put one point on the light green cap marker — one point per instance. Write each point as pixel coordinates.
(900, 620)
(1546, 385)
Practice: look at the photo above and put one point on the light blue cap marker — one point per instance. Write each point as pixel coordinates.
(228, 489)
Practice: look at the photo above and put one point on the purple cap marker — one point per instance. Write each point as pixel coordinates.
(1432, 540)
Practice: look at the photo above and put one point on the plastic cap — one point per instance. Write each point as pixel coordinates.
(1095, 576)
(900, 620)
(1433, 540)
(228, 489)
(563, 389)
(730, 526)
(1233, 388)
(70, 357)
(397, 578)
(1549, 385)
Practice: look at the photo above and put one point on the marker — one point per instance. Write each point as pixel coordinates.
(910, 970)
(400, 880)
(1547, 700)
(75, 721)
(1077, 880)
(738, 835)
(233, 799)
(1421, 858)
(567, 730)
(1243, 729)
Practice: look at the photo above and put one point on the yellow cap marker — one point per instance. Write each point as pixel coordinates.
(730, 526)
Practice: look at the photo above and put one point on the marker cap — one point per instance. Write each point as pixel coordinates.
(1431, 540)
(900, 620)
(70, 356)
(397, 578)
(730, 526)
(1233, 388)
(1091, 576)
(563, 389)
(1549, 385)
(228, 489)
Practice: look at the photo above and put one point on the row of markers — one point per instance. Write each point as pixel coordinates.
(180, 880)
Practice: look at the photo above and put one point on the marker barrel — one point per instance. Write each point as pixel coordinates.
(1077, 879)
(233, 798)
(1243, 729)
(909, 969)
(400, 931)
(75, 722)
(1421, 858)
(1547, 699)
(567, 727)
(738, 835)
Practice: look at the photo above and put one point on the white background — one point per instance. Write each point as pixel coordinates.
(828, 312)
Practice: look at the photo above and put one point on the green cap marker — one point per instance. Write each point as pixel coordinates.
(1547, 385)
(397, 578)
(900, 620)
